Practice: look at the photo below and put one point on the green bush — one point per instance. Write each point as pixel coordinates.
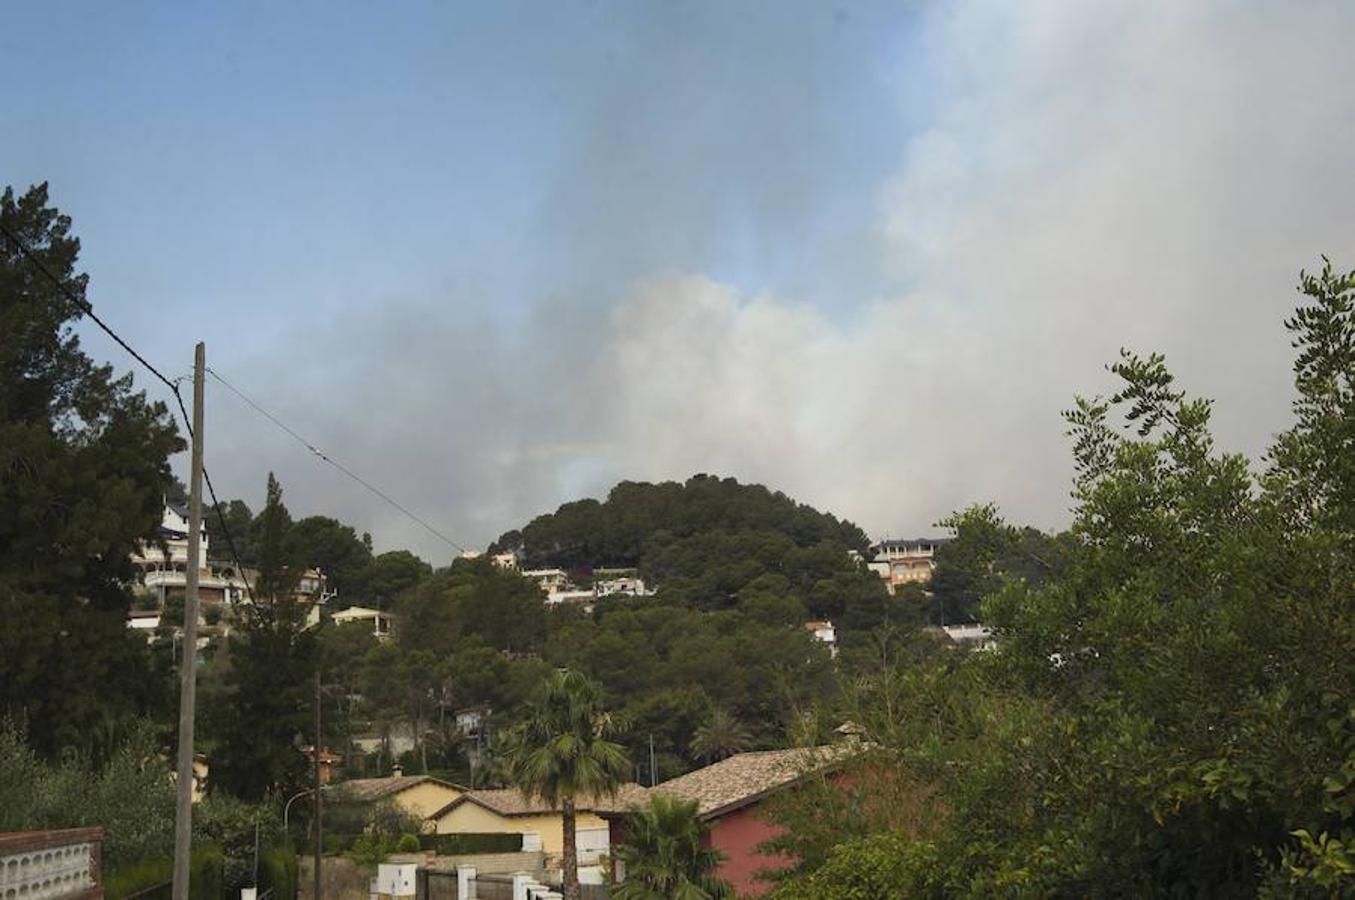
(371, 849)
(278, 870)
(467, 844)
(137, 877)
(205, 877)
(336, 844)
(409, 843)
(129, 794)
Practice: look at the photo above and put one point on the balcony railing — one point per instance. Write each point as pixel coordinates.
(51, 865)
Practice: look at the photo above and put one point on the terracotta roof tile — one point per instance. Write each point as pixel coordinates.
(364, 790)
(744, 777)
(512, 802)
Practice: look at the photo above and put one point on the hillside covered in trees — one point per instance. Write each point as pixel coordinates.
(716, 660)
(638, 519)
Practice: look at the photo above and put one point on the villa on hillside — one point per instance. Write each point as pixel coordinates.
(162, 565)
(377, 620)
(900, 562)
(162, 568)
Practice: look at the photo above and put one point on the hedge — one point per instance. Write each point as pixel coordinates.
(468, 844)
(278, 870)
(152, 878)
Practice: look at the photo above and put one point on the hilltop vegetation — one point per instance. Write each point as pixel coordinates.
(738, 569)
(638, 519)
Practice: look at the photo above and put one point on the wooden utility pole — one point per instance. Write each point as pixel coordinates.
(183, 810)
(319, 839)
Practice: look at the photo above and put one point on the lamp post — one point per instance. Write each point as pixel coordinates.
(286, 807)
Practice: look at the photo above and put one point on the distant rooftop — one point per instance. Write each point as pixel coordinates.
(513, 802)
(922, 540)
(746, 777)
(366, 790)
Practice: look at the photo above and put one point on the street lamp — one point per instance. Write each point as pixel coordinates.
(286, 807)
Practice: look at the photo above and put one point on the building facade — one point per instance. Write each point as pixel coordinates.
(162, 566)
(900, 562)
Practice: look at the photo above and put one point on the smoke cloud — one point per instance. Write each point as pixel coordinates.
(1086, 177)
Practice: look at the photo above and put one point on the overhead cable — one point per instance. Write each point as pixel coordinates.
(325, 457)
(172, 384)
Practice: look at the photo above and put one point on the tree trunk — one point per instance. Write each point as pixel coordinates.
(571, 865)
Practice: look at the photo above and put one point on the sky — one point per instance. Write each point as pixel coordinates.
(494, 257)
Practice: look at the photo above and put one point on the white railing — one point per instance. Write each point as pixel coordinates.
(51, 865)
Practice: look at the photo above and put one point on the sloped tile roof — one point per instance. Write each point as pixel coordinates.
(745, 777)
(365, 790)
(512, 802)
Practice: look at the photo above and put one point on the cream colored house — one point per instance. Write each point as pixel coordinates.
(507, 811)
(422, 796)
(901, 562)
(378, 621)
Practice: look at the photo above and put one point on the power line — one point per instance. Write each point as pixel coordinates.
(220, 516)
(172, 384)
(84, 305)
(316, 451)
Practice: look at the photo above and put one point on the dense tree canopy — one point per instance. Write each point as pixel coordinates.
(1170, 711)
(83, 469)
(338, 551)
(984, 554)
(473, 600)
(615, 532)
(258, 708)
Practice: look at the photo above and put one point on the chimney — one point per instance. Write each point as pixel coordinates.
(397, 771)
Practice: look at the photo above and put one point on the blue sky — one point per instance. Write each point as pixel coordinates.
(292, 158)
(498, 255)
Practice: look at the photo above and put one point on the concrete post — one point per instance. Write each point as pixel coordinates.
(520, 882)
(465, 880)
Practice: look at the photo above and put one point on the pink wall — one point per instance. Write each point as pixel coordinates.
(737, 835)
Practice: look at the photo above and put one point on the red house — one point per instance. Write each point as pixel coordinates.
(729, 796)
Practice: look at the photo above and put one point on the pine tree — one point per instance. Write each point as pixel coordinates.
(261, 715)
(84, 464)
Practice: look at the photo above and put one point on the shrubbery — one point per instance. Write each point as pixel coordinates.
(131, 796)
(468, 844)
(1172, 711)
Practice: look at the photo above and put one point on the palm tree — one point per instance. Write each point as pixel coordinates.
(721, 736)
(667, 856)
(561, 753)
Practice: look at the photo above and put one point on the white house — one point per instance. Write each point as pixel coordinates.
(562, 596)
(629, 586)
(975, 635)
(379, 621)
(549, 580)
(144, 621)
(163, 565)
